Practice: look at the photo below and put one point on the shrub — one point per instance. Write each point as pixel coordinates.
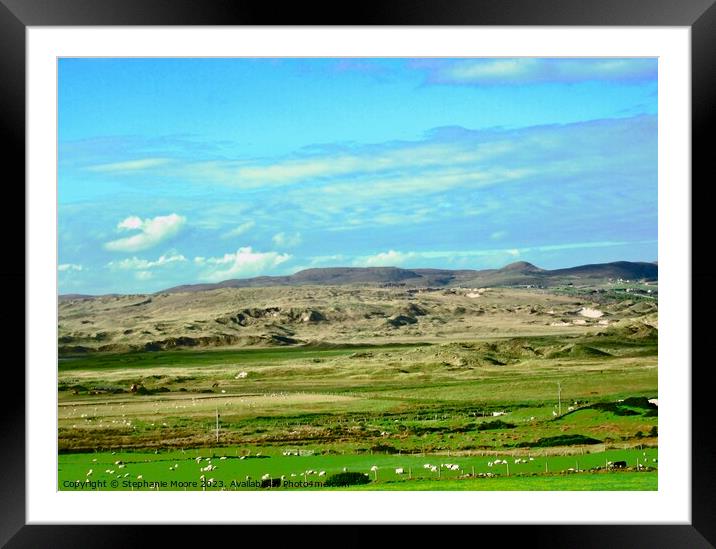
(497, 424)
(559, 440)
(384, 449)
(347, 478)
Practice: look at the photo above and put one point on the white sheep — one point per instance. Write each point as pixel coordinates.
(399, 471)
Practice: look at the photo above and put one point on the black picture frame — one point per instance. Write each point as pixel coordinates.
(698, 15)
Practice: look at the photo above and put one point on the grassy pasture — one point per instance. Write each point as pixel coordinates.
(161, 467)
(391, 406)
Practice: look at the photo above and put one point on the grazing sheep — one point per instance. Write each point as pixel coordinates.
(399, 471)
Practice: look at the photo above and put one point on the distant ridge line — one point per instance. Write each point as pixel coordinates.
(515, 274)
(519, 273)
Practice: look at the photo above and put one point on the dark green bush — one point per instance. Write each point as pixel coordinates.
(347, 478)
(497, 424)
(559, 440)
(384, 449)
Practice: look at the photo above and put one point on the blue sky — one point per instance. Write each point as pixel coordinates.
(175, 171)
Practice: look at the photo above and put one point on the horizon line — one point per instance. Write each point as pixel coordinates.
(353, 267)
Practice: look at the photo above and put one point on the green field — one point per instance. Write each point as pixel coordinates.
(232, 466)
(575, 401)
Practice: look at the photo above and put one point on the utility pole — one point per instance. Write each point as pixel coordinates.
(559, 398)
(217, 425)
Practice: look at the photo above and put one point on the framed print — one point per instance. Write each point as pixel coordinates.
(423, 266)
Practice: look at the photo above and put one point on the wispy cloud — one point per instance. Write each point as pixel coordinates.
(522, 71)
(344, 161)
(129, 166)
(239, 230)
(152, 232)
(64, 267)
(244, 263)
(287, 240)
(135, 263)
(426, 258)
(391, 258)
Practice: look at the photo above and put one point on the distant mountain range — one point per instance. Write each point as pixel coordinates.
(515, 274)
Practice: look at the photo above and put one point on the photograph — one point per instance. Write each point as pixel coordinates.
(357, 274)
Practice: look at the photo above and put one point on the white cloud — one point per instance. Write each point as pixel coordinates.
(143, 275)
(393, 258)
(130, 223)
(323, 259)
(287, 240)
(135, 263)
(497, 235)
(129, 166)
(390, 157)
(242, 264)
(535, 71)
(390, 258)
(241, 229)
(69, 267)
(153, 232)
